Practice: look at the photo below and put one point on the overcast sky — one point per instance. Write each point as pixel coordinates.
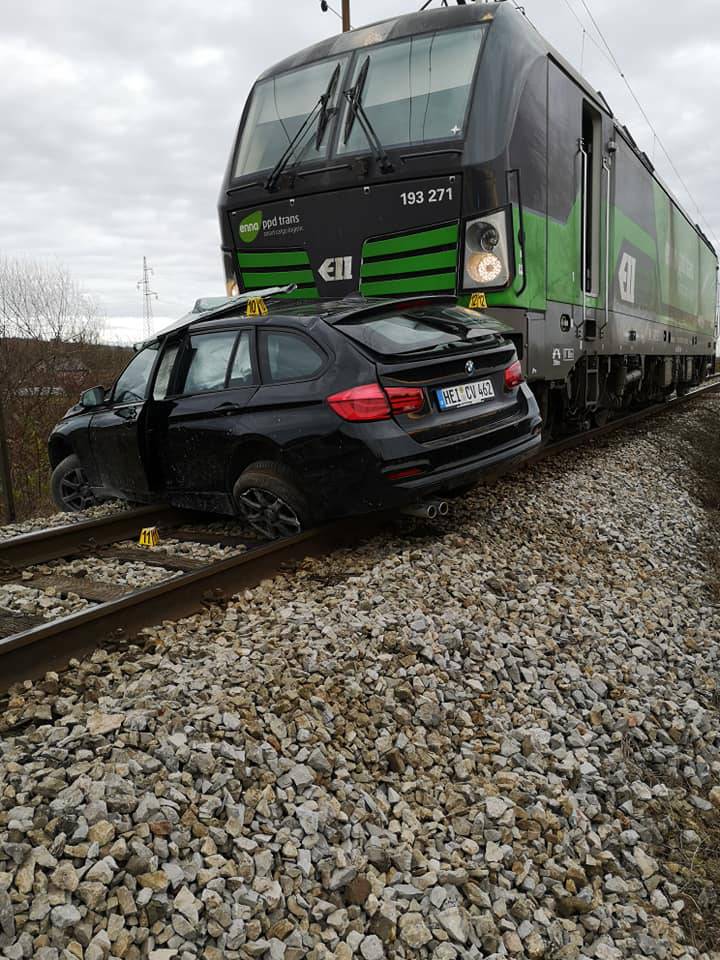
(116, 120)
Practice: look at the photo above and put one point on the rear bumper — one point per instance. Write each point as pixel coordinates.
(367, 485)
(352, 470)
(468, 471)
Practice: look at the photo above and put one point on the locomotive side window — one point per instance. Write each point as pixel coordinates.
(416, 89)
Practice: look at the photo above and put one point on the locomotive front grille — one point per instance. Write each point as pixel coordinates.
(423, 261)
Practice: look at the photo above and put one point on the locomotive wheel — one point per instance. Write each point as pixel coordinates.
(601, 416)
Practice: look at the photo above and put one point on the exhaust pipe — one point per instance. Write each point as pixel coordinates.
(427, 509)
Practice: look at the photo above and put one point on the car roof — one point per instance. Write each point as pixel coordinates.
(209, 311)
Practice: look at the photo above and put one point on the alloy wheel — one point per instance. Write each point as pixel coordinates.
(267, 513)
(75, 490)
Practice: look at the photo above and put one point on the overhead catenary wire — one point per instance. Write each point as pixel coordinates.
(608, 55)
(587, 35)
(657, 139)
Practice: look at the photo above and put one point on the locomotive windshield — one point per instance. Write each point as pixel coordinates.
(280, 105)
(416, 89)
(413, 91)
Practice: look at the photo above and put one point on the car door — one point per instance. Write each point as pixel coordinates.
(289, 408)
(117, 440)
(215, 378)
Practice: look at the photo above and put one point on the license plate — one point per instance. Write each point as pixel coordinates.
(465, 394)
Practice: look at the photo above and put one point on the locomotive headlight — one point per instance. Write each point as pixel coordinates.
(484, 268)
(487, 251)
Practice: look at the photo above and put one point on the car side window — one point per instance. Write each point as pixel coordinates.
(206, 363)
(131, 386)
(162, 380)
(289, 356)
(241, 371)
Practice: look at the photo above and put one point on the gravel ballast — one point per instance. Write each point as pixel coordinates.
(492, 738)
(35, 524)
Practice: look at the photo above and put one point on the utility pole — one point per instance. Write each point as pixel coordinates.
(5, 477)
(325, 6)
(148, 295)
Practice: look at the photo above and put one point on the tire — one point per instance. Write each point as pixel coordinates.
(268, 500)
(69, 486)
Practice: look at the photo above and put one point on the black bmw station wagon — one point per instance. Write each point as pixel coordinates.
(287, 412)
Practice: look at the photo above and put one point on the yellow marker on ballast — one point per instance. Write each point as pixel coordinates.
(149, 537)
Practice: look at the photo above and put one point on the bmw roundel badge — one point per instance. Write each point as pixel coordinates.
(469, 367)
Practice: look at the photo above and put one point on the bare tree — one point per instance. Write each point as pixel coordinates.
(42, 301)
(49, 331)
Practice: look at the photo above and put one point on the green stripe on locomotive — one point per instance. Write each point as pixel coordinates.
(276, 268)
(418, 261)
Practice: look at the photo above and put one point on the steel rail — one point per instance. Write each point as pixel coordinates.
(53, 543)
(51, 645)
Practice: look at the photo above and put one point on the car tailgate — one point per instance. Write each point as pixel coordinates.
(448, 413)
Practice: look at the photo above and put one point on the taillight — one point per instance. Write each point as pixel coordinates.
(513, 375)
(405, 399)
(370, 402)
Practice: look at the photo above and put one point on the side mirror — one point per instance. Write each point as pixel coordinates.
(92, 397)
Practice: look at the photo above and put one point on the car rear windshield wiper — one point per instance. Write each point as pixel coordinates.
(356, 111)
(322, 111)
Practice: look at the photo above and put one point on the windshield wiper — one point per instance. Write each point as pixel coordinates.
(356, 111)
(320, 110)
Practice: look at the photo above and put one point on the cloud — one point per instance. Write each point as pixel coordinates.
(116, 121)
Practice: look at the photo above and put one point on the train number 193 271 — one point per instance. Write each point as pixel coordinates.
(435, 195)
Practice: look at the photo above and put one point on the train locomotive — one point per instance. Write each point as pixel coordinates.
(453, 150)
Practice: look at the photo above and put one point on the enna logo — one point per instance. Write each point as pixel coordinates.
(250, 227)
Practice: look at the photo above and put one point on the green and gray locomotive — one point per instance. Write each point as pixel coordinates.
(453, 151)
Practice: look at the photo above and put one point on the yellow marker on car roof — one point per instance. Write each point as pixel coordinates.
(256, 308)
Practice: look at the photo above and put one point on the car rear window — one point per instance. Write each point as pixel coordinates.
(401, 333)
(289, 356)
(209, 355)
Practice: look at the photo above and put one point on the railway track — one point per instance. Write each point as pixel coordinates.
(31, 645)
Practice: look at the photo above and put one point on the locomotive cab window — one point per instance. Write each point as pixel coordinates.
(415, 90)
(591, 162)
(278, 109)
